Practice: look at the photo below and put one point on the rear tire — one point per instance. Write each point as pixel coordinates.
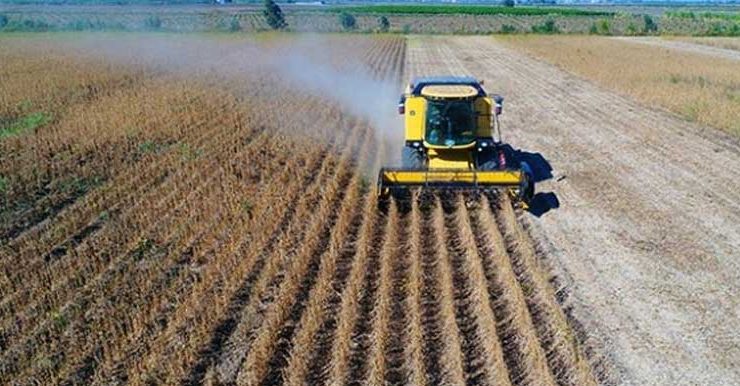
(487, 160)
(412, 158)
(528, 191)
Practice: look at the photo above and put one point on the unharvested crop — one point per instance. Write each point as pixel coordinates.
(175, 222)
(720, 42)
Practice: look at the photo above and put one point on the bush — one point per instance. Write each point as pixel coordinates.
(650, 25)
(153, 23)
(28, 25)
(25, 124)
(85, 25)
(600, 27)
(548, 27)
(234, 25)
(406, 29)
(593, 30)
(718, 29)
(507, 29)
(274, 15)
(3, 21)
(383, 24)
(682, 14)
(509, 3)
(632, 29)
(347, 20)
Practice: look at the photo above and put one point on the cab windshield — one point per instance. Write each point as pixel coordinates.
(450, 123)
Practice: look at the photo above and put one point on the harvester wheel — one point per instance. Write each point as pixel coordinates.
(412, 158)
(528, 192)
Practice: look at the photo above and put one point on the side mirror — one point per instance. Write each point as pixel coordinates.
(402, 106)
(499, 100)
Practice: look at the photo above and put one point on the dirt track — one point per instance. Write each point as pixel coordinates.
(702, 49)
(646, 234)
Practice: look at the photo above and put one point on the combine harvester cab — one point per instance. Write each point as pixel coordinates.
(453, 142)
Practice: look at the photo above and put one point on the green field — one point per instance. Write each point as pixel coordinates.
(406, 19)
(469, 10)
(734, 16)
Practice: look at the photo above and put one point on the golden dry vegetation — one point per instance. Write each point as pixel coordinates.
(199, 219)
(729, 43)
(699, 88)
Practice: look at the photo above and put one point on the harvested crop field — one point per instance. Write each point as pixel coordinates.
(699, 83)
(201, 210)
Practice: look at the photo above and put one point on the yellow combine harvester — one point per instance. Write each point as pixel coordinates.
(453, 141)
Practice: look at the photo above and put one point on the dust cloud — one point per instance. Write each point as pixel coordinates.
(350, 86)
(305, 64)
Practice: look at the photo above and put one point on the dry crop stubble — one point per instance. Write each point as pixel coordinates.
(697, 87)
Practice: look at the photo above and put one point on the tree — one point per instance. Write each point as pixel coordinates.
(153, 23)
(507, 29)
(347, 20)
(650, 25)
(509, 3)
(548, 27)
(3, 20)
(274, 15)
(383, 24)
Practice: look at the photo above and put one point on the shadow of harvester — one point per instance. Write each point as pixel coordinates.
(542, 202)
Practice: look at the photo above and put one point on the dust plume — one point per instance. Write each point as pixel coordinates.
(350, 85)
(312, 65)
